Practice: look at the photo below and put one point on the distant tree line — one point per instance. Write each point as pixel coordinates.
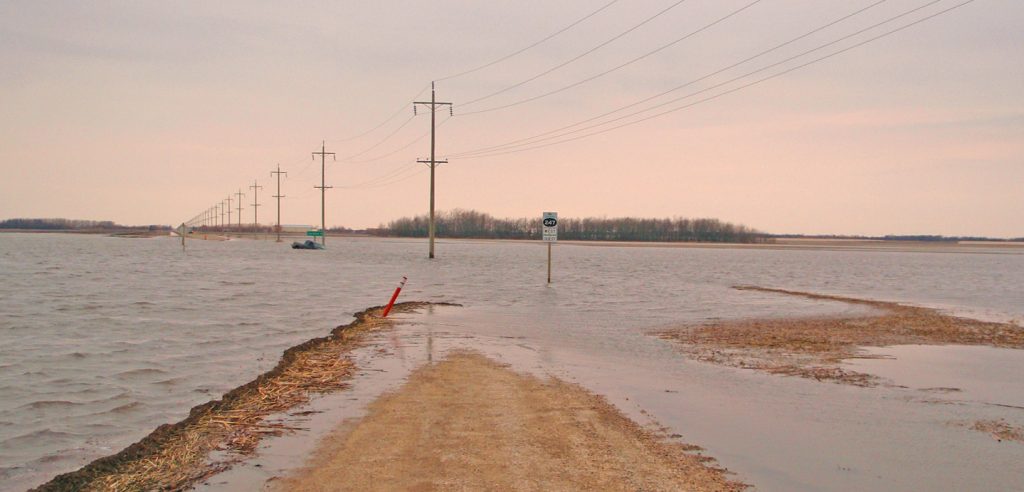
(472, 224)
(71, 225)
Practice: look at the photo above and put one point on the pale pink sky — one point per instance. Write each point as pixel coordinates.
(149, 112)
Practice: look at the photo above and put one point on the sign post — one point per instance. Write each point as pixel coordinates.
(315, 233)
(549, 234)
(181, 232)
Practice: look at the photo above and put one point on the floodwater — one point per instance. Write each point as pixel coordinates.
(102, 339)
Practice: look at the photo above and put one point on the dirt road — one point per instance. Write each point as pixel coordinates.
(468, 423)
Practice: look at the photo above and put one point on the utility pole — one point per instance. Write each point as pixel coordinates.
(220, 206)
(239, 202)
(255, 205)
(433, 162)
(229, 212)
(323, 189)
(279, 196)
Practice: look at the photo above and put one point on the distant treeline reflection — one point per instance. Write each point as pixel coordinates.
(473, 224)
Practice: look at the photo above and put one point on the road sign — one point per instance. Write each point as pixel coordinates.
(550, 230)
(315, 233)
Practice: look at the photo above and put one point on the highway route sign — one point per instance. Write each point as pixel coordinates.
(550, 229)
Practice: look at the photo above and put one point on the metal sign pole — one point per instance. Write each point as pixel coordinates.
(549, 263)
(549, 234)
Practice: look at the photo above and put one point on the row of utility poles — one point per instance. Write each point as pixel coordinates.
(213, 217)
(209, 217)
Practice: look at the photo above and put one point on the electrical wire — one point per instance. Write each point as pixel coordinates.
(730, 91)
(380, 142)
(524, 141)
(389, 118)
(577, 57)
(623, 65)
(384, 177)
(395, 181)
(529, 141)
(407, 145)
(553, 137)
(510, 55)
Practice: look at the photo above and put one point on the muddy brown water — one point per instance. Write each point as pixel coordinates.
(102, 339)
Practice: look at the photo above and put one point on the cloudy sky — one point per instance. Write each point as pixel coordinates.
(149, 112)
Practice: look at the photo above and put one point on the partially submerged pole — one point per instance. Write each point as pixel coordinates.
(279, 196)
(387, 309)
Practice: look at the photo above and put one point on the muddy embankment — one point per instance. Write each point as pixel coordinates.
(177, 455)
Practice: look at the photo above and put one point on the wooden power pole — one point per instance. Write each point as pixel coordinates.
(229, 213)
(323, 189)
(433, 162)
(239, 203)
(279, 196)
(255, 206)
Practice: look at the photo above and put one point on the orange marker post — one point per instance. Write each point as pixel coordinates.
(394, 297)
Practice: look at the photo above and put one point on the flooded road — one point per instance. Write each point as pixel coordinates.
(776, 433)
(102, 339)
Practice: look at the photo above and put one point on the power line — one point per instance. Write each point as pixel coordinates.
(489, 64)
(525, 141)
(389, 118)
(381, 141)
(577, 57)
(403, 147)
(401, 109)
(730, 91)
(397, 179)
(393, 172)
(623, 65)
(560, 135)
(510, 55)
(530, 141)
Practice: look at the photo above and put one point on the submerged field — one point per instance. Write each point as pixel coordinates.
(104, 339)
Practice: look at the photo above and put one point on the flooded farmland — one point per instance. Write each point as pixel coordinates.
(102, 339)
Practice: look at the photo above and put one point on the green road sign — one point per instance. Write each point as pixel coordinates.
(317, 233)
